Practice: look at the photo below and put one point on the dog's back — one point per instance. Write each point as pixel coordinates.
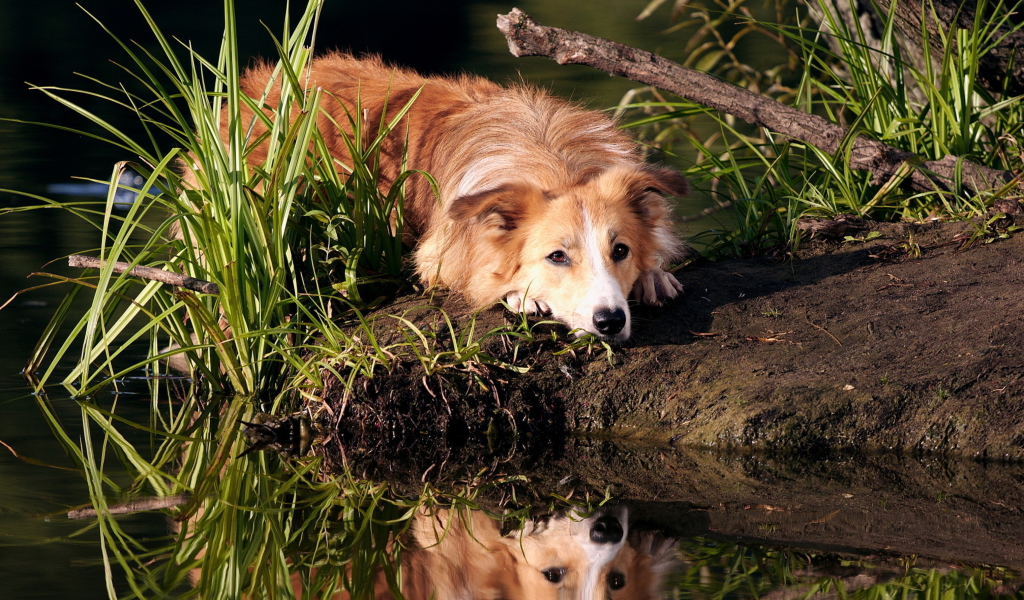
(470, 133)
(361, 89)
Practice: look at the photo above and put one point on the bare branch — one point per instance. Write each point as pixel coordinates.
(527, 38)
(832, 228)
(138, 505)
(168, 277)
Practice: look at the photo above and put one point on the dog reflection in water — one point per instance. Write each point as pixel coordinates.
(463, 555)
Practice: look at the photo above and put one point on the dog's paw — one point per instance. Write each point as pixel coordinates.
(530, 306)
(655, 286)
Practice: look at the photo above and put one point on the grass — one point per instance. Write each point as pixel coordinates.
(767, 184)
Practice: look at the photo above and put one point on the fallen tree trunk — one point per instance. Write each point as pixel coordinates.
(527, 38)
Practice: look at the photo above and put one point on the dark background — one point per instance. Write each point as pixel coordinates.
(46, 42)
(55, 43)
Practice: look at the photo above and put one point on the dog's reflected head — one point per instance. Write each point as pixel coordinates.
(565, 556)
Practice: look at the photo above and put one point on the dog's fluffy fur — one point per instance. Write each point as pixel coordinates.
(639, 570)
(541, 203)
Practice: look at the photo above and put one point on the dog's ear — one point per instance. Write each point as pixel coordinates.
(664, 559)
(667, 182)
(502, 207)
(661, 549)
(648, 189)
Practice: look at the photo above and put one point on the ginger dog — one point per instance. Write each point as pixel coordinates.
(542, 204)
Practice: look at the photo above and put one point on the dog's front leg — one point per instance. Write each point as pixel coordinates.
(655, 286)
(530, 306)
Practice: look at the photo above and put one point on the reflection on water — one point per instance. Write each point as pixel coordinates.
(462, 554)
(486, 541)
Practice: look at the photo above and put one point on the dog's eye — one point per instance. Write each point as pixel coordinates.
(558, 257)
(620, 251)
(553, 575)
(616, 580)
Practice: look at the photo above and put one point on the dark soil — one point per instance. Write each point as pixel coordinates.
(908, 342)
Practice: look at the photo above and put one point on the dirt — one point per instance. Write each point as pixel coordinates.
(908, 341)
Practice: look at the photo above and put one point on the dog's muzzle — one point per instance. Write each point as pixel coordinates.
(606, 530)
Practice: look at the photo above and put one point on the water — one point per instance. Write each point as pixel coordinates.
(835, 505)
(41, 553)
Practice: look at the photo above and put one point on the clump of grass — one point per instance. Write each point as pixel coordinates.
(292, 242)
(932, 109)
(990, 229)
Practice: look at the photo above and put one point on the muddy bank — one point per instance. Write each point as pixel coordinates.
(903, 342)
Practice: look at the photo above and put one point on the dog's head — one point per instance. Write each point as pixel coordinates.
(566, 556)
(576, 252)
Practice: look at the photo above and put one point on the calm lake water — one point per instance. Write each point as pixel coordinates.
(44, 555)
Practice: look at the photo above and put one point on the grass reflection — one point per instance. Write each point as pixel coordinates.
(720, 571)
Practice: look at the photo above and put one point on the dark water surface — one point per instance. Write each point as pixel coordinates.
(44, 555)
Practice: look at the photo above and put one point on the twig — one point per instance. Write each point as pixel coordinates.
(142, 504)
(168, 277)
(527, 38)
(825, 330)
(832, 228)
(5, 445)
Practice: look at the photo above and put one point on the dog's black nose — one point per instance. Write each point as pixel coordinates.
(610, 322)
(606, 530)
